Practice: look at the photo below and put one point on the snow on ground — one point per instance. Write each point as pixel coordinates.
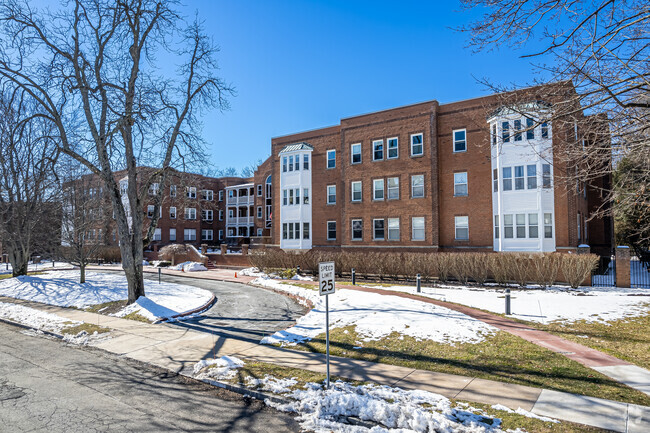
(62, 288)
(223, 368)
(34, 318)
(593, 304)
(188, 267)
(5, 268)
(43, 321)
(389, 409)
(376, 316)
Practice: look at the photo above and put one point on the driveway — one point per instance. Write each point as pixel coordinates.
(49, 386)
(241, 311)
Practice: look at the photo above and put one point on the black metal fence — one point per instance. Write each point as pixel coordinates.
(605, 274)
(639, 273)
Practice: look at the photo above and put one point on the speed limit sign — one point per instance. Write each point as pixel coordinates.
(326, 278)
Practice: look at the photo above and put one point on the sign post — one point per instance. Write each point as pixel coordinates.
(325, 288)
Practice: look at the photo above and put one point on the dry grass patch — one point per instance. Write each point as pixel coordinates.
(303, 285)
(88, 327)
(137, 317)
(106, 308)
(501, 357)
(7, 276)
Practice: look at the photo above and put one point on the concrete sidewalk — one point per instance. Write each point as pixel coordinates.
(179, 349)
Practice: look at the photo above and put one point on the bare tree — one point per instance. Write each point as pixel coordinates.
(249, 170)
(100, 71)
(28, 186)
(601, 49)
(84, 218)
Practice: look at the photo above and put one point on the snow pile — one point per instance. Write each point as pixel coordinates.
(252, 272)
(391, 409)
(272, 384)
(592, 304)
(34, 318)
(302, 278)
(83, 338)
(224, 368)
(62, 288)
(189, 267)
(376, 316)
(523, 412)
(5, 268)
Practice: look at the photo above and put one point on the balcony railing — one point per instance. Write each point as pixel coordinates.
(247, 199)
(240, 221)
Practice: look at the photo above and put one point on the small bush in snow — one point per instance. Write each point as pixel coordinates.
(577, 267)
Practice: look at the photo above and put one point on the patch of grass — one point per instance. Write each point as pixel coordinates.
(137, 317)
(512, 421)
(258, 370)
(303, 285)
(627, 339)
(88, 327)
(111, 307)
(501, 357)
(7, 276)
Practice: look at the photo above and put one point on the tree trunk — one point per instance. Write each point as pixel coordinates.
(19, 262)
(132, 256)
(82, 273)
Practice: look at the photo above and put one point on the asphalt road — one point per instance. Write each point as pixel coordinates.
(241, 311)
(49, 386)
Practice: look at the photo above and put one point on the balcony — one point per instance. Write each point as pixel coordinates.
(240, 221)
(239, 201)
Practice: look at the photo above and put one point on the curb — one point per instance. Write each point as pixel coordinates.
(23, 326)
(243, 391)
(200, 309)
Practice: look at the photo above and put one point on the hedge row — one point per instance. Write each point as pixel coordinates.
(543, 269)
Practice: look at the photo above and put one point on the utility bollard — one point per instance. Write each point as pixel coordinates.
(507, 302)
(417, 282)
(354, 277)
(159, 273)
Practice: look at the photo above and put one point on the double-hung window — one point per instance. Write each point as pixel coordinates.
(207, 194)
(495, 180)
(153, 189)
(546, 175)
(417, 186)
(496, 226)
(393, 188)
(530, 129)
(259, 190)
(357, 230)
(284, 164)
(172, 212)
(190, 213)
(518, 130)
(291, 197)
(305, 161)
(393, 148)
(378, 189)
(548, 225)
(189, 234)
(507, 178)
(331, 158)
(508, 229)
(284, 197)
(417, 228)
(191, 192)
(544, 128)
(172, 190)
(355, 153)
(206, 235)
(356, 191)
(305, 230)
(378, 231)
(519, 177)
(207, 215)
(505, 131)
(393, 229)
(172, 234)
(531, 176)
(460, 184)
(494, 134)
(520, 220)
(331, 194)
(331, 230)
(462, 227)
(533, 226)
(259, 212)
(417, 145)
(305, 196)
(291, 163)
(460, 140)
(377, 150)
(297, 163)
(150, 210)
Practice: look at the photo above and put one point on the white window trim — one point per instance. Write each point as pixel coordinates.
(327, 229)
(423, 191)
(170, 235)
(466, 184)
(352, 191)
(383, 181)
(453, 139)
(456, 228)
(327, 192)
(411, 144)
(388, 148)
(352, 229)
(382, 150)
(388, 188)
(374, 237)
(399, 234)
(352, 154)
(327, 158)
(424, 226)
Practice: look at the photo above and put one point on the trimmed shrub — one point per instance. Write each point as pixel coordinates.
(478, 266)
(545, 268)
(458, 264)
(577, 267)
(500, 264)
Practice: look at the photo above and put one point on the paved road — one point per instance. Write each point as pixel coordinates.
(242, 311)
(49, 386)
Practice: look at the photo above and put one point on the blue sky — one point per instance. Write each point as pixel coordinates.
(300, 65)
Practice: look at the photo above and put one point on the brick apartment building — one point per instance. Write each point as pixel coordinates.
(468, 175)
